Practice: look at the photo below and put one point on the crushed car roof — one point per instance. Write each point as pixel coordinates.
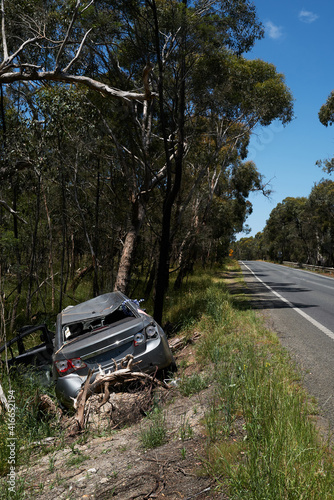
(98, 306)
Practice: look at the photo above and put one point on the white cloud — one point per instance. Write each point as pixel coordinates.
(273, 31)
(306, 16)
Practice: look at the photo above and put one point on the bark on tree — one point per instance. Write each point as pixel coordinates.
(32, 268)
(84, 225)
(173, 185)
(50, 248)
(125, 265)
(3, 400)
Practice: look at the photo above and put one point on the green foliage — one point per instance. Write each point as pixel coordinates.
(31, 423)
(154, 431)
(326, 113)
(186, 431)
(8, 242)
(192, 384)
(84, 171)
(76, 458)
(298, 229)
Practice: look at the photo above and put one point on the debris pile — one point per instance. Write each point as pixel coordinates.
(125, 394)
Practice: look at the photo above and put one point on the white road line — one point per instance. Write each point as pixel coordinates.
(314, 322)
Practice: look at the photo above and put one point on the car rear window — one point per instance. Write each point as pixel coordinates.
(74, 330)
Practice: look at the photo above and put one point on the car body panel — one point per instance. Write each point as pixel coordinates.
(101, 332)
(32, 348)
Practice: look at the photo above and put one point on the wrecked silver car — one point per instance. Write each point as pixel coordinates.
(101, 332)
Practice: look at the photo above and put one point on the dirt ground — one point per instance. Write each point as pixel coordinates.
(113, 464)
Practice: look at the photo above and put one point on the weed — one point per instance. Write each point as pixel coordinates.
(182, 364)
(58, 481)
(186, 431)
(31, 424)
(51, 463)
(123, 448)
(16, 492)
(155, 433)
(192, 384)
(77, 458)
(183, 453)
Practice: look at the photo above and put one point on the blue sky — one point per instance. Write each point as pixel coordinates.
(298, 40)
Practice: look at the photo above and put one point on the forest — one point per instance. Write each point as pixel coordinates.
(124, 128)
(298, 230)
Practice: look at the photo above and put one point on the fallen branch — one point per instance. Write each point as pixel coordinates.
(80, 415)
(11, 211)
(103, 381)
(180, 342)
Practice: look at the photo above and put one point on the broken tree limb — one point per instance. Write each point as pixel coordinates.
(80, 415)
(11, 211)
(181, 342)
(104, 381)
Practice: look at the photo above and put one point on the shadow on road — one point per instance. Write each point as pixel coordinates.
(257, 296)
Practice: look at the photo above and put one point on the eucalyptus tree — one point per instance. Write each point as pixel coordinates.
(236, 96)
(217, 212)
(321, 206)
(326, 117)
(245, 249)
(211, 81)
(290, 231)
(151, 57)
(47, 42)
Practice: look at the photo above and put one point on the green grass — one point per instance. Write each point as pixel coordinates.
(30, 423)
(192, 384)
(76, 459)
(154, 431)
(276, 451)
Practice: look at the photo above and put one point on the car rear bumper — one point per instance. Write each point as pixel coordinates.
(156, 355)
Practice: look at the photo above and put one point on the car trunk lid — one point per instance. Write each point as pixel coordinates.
(105, 344)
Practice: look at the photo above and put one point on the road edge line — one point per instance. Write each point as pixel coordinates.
(314, 322)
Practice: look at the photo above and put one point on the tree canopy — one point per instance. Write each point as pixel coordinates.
(125, 128)
(297, 230)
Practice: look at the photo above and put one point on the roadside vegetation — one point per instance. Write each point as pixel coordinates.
(261, 437)
(262, 441)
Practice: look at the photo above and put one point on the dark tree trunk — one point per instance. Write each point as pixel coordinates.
(172, 188)
(96, 235)
(32, 267)
(64, 233)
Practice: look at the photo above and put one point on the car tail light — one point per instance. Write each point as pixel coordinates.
(66, 366)
(139, 338)
(151, 331)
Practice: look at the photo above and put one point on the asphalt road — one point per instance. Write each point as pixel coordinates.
(299, 306)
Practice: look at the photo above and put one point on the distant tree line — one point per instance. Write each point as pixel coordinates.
(298, 230)
(124, 129)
